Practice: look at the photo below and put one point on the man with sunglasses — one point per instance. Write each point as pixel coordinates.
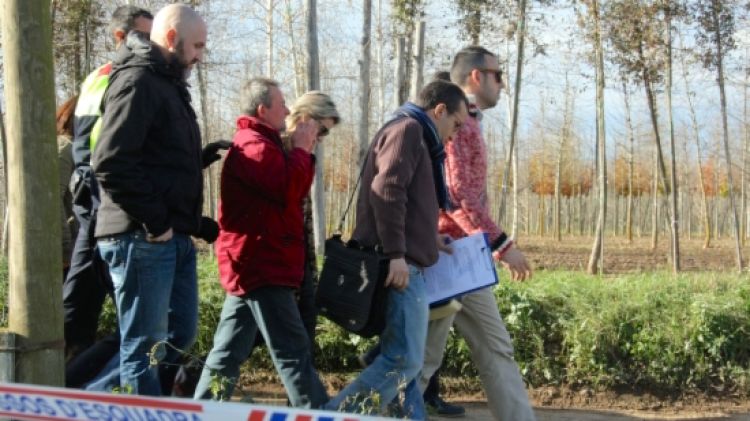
(476, 70)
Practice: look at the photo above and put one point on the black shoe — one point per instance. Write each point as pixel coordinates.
(437, 406)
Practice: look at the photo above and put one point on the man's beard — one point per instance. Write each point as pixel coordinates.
(488, 100)
(179, 62)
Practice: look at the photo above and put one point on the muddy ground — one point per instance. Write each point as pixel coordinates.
(550, 403)
(623, 256)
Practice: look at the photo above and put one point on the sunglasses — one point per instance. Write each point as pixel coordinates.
(323, 130)
(497, 72)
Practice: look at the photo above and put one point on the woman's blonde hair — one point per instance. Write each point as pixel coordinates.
(314, 104)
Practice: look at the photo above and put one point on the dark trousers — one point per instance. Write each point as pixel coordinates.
(307, 310)
(273, 311)
(83, 367)
(432, 391)
(87, 283)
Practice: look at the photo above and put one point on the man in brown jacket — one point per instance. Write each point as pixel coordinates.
(397, 209)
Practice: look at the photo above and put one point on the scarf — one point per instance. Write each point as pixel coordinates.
(434, 147)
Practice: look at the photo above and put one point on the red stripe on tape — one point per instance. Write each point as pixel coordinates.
(256, 415)
(303, 418)
(120, 399)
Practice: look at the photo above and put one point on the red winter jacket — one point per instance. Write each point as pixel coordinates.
(261, 241)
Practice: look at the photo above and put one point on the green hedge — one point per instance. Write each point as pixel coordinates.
(649, 331)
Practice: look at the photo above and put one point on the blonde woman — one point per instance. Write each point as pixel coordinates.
(317, 106)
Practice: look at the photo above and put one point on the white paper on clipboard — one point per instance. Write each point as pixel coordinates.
(469, 268)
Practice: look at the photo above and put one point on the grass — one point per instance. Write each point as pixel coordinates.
(649, 331)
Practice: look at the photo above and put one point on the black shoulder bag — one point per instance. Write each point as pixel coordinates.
(351, 291)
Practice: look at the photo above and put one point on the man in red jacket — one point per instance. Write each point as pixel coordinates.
(261, 248)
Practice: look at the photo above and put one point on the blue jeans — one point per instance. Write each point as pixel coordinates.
(274, 311)
(156, 293)
(397, 366)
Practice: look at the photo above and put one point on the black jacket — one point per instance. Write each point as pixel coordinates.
(148, 157)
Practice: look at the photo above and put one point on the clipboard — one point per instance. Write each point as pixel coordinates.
(468, 269)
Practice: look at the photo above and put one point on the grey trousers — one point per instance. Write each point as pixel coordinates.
(480, 324)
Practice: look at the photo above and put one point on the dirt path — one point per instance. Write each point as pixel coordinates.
(478, 411)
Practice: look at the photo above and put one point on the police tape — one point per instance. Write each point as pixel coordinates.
(31, 402)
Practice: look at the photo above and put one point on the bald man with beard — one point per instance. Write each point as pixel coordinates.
(149, 166)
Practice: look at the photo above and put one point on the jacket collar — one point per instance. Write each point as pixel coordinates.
(138, 51)
(261, 127)
(474, 110)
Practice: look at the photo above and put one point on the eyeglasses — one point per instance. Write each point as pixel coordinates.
(497, 72)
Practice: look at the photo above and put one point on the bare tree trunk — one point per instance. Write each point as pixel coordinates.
(269, 39)
(520, 42)
(655, 215)
(509, 105)
(417, 62)
(298, 89)
(616, 198)
(541, 228)
(743, 169)
(558, 169)
(364, 84)
(313, 83)
(662, 173)
(400, 74)
(558, 204)
(661, 168)
(34, 262)
(404, 87)
(86, 47)
(527, 221)
(689, 218)
(674, 214)
(4, 139)
(77, 70)
(313, 61)
(381, 66)
(541, 212)
(631, 164)
(516, 194)
(569, 214)
(725, 128)
(596, 260)
(54, 5)
(203, 89)
(699, 153)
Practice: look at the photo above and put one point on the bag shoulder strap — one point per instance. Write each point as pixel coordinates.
(340, 228)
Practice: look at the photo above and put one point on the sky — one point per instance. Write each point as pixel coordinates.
(237, 44)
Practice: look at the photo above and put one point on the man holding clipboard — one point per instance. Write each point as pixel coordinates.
(477, 71)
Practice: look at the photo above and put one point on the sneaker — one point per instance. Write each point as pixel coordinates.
(437, 406)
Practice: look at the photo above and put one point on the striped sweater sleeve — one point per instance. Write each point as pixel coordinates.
(466, 176)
